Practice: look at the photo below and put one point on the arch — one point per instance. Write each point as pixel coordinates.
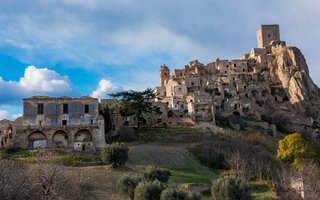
(83, 140)
(60, 139)
(37, 139)
(236, 113)
(255, 93)
(83, 135)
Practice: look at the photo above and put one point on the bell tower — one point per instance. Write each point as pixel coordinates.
(164, 75)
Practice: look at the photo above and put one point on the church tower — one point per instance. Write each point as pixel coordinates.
(164, 75)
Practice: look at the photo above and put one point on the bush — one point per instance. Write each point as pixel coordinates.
(173, 194)
(179, 194)
(295, 150)
(127, 184)
(231, 188)
(267, 198)
(148, 191)
(115, 154)
(155, 173)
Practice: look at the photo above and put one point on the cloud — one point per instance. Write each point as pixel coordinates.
(104, 88)
(6, 115)
(36, 81)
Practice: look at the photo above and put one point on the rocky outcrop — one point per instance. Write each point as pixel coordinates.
(291, 69)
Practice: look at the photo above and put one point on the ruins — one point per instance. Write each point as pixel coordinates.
(269, 84)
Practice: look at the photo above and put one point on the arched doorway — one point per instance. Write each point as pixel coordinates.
(83, 140)
(37, 139)
(60, 139)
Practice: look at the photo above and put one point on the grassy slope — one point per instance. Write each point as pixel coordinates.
(170, 151)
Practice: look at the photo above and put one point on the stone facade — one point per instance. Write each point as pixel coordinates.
(271, 79)
(63, 122)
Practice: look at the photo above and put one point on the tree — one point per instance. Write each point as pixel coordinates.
(148, 191)
(179, 194)
(133, 103)
(230, 188)
(156, 173)
(295, 150)
(107, 120)
(127, 184)
(115, 154)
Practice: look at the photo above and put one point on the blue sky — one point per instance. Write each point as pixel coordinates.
(82, 47)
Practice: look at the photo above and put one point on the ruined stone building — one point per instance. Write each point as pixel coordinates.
(271, 79)
(59, 122)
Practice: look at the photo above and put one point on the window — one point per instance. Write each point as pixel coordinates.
(244, 87)
(192, 83)
(235, 65)
(86, 108)
(91, 121)
(64, 122)
(65, 108)
(113, 127)
(227, 66)
(40, 108)
(269, 35)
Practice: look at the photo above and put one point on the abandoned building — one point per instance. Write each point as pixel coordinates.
(60, 122)
(271, 78)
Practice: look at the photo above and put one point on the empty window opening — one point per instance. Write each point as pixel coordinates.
(40, 108)
(235, 65)
(192, 83)
(86, 108)
(64, 122)
(269, 35)
(65, 108)
(276, 98)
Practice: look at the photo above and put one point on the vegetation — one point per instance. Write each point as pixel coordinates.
(295, 150)
(178, 194)
(230, 188)
(148, 191)
(127, 184)
(114, 154)
(155, 173)
(107, 120)
(133, 103)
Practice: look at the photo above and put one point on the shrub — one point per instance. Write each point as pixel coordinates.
(173, 194)
(295, 150)
(193, 196)
(115, 154)
(267, 198)
(127, 184)
(230, 188)
(156, 173)
(148, 191)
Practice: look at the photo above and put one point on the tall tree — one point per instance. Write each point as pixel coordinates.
(134, 103)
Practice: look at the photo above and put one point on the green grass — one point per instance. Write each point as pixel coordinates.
(260, 189)
(190, 176)
(76, 160)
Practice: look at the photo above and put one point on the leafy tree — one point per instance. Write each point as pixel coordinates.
(127, 184)
(230, 188)
(115, 154)
(267, 198)
(148, 191)
(179, 194)
(107, 120)
(295, 150)
(134, 103)
(156, 173)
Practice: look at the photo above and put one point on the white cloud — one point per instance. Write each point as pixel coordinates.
(36, 81)
(6, 115)
(44, 80)
(104, 88)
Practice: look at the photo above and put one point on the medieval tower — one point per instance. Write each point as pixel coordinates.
(267, 34)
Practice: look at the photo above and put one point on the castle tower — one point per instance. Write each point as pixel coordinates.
(266, 34)
(164, 75)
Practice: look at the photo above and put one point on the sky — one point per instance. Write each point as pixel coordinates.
(96, 47)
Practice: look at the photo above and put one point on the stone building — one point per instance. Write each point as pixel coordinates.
(60, 122)
(271, 78)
